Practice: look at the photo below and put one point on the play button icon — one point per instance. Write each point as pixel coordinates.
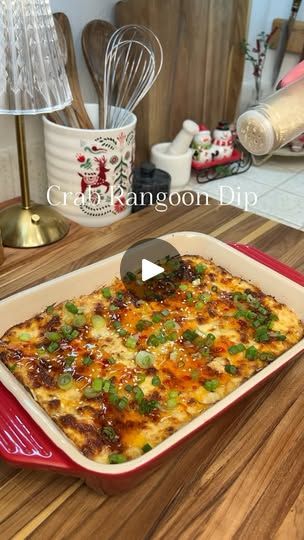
(150, 270)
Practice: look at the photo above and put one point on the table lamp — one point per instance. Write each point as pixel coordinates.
(32, 81)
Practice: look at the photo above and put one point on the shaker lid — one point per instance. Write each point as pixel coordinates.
(255, 132)
(147, 168)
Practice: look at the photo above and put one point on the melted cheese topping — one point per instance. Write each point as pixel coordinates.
(120, 375)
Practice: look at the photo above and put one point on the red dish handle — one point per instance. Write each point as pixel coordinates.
(24, 444)
(270, 262)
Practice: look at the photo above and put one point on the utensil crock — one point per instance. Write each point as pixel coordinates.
(90, 171)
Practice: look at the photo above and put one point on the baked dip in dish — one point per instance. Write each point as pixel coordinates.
(119, 375)
(116, 382)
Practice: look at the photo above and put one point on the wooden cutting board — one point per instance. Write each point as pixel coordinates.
(203, 65)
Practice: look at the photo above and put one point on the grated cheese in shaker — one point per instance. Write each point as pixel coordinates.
(275, 122)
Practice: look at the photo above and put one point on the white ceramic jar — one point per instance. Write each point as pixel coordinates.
(90, 171)
(178, 166)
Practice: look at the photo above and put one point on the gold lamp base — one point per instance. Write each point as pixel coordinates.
(36, 226)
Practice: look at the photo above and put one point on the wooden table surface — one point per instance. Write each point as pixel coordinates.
(242, 478)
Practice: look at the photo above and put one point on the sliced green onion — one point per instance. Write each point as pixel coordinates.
(235, 349)
(74, 334)
(258, 322)
(129, 388)
(66, 329)
(161, 337)
(79, 320)
(53, 346)
(146, 448)
(106, 292)
(165, 312)
(109, 433)
(199, 305)
(146, 406)
(69, 360)
(172, 336)
(113, 398)
(250, 315)
(190, 335)
(231, 369)
(97, 384)
(157, 317)
(261, 334)
(205, 297)
(123, 403)
(111, 360)
(267, 356)
(211, 385)
(41, 351)
(189, 297)
(107, 386)
(251, 353)
(90, 393)
(169, 324)
(65, 381)
(25, 336)
(87, 361)
(214, 288)
(130, 276)
(172, 403)
(112, 307)
(53, 336)
(183, 287)
(143, 324)
(173, 394)
(138, 394)
(122, 331)
(209, 339)
(200, 268)
(12, 367)
(199, 342)
(98, 322)
(115, 459)
(153, 340)
(50, 310)
(144, 359)
(278, 336)
(141, 377)
(156, 380)
(71, 307)
(238, 297)
(131, 342)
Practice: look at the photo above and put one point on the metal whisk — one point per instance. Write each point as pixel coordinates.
(134, 58)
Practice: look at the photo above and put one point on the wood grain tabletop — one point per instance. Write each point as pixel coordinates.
(242, 478)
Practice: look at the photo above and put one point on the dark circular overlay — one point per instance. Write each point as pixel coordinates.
(158, 252)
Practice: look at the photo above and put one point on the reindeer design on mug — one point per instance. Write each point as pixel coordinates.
(95, 180)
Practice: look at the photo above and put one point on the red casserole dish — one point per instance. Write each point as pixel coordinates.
(24, 444)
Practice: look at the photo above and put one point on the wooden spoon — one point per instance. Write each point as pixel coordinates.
(71, 69)
(94, 39)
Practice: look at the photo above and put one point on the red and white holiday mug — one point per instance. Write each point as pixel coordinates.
(90, 171)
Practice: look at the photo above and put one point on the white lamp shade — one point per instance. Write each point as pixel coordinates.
(32, 74)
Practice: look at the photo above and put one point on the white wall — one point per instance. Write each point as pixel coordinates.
(80, 12)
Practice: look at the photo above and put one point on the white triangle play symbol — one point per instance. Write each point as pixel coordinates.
(149, 269)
